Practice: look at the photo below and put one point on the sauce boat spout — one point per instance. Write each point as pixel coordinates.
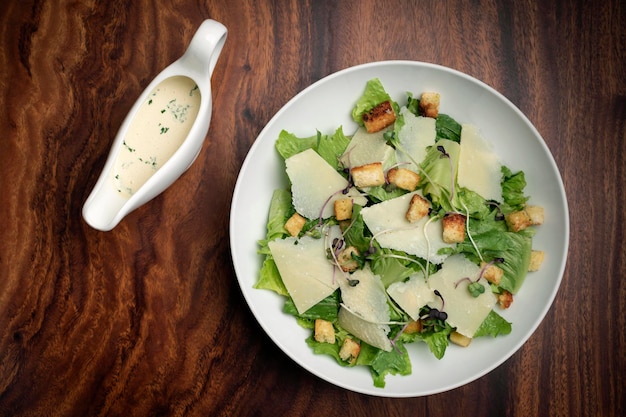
(162, 134)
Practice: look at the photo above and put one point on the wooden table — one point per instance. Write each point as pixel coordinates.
(148, 319)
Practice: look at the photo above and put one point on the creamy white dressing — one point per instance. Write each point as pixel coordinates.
(158, 129)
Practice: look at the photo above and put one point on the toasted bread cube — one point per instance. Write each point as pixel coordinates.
(518, 220)
(379, 117)
(459, 339)
(346, 262)
(536, 259)
(492, 273)
(324, 331)
(369, 175)
(343, 209)
(536, 214)
(413, 327)
(403, 178)
(505, 299)
(429, 104)
(295, 224)
(349, 351)
(453, 228)
(418, 208)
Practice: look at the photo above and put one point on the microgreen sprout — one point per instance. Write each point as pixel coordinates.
(469, 234)
(499, 214)
(476, 288)
(492, 262)
(432, 319)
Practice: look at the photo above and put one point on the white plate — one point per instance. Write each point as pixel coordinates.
(326, 105)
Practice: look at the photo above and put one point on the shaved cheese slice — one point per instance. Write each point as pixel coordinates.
(304, 269)
(415, 135)
(371, 333)
(479, 167)
(366, 314)
(465, 312)
(412, 295)
(315, 185)
(387, 222)
(365, 148)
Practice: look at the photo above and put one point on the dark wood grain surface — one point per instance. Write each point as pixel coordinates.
(148, 319)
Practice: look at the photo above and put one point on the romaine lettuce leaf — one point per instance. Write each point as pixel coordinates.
(493, 325)
(382, 363)
(514, 248)
(326, 309)
(269, 278)
(289, 144)
(373, 95)
(281, 209)
(439, 172)
(332, 147)
(513, 185)
(393, 266)
(447, 128)
(355, 234)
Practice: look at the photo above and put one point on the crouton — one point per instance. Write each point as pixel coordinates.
(343, 209)
(324, 331)
(459, 339)
(413, 327)
(346, 262)
(492, 273)
(518, 220)
(505, 299)
(403, 178)
(535, 213)
(379, 117)
(369, 175)
(536, 259)
(429, 104)
(295, 224)
(349, 351)
(418, 208)
(453, 228)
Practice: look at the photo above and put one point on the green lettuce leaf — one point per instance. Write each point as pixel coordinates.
(332, 147)
(513, 185)
(382, 363)
(438, 172)
(392, 266)
(269, 278)
(494, 325)
(326, 309)
(373, 95)
(447, 128)
(514, 248)
(356, 234)
(289, 144)
(281, 209)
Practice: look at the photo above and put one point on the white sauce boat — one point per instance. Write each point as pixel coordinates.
(106, 206)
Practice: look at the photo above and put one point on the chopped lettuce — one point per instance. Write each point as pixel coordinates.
(440, 167)
(494, 325)
(513, 185)
(288, 144)
(448, 128)
(373, 95)
(330, 146)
